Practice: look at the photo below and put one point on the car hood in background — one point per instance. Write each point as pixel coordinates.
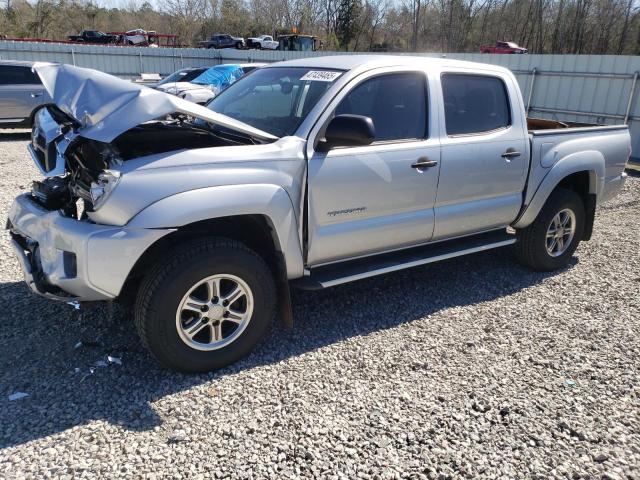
(107, 106)
(177, 86)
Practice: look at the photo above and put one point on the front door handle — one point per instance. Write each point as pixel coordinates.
(510, 153)
(424, 162)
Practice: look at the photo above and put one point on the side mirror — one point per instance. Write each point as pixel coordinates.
(347, 131)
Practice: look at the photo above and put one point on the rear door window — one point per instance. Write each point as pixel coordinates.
(396, 102)
(474, 104)
(17, 75)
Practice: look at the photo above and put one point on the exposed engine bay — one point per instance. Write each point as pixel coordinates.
(79, 168)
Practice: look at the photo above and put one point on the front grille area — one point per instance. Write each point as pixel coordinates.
(45, 154)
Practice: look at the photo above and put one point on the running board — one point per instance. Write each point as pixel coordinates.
(352, 270)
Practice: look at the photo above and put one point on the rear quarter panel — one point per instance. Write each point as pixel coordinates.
(602, 151)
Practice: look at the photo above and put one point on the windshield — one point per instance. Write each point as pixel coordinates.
(182, 76)
(275, 100)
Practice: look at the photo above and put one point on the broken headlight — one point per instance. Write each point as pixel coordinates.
(100, 190)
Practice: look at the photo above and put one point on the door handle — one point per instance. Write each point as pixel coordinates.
(424, 162)
(510, 153)
(36, 94)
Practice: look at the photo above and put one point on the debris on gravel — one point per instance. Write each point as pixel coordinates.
(471, 368)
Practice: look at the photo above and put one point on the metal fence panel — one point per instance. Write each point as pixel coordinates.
(582, 88)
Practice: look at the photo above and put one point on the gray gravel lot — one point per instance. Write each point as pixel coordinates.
(472, 368)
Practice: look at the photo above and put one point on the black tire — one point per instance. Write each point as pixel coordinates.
(531, 245)
(169, 281)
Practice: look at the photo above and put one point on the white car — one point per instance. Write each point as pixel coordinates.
(201, 93)
(262, 42)
(179, 81)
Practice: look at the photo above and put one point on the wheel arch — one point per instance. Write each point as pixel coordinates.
(582, 172)
(212, 204)
(255, 231)
(260, 216)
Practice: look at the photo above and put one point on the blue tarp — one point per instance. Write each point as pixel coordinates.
(220, 76)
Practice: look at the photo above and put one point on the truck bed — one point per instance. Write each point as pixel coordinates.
(543, 126)
(552, 140)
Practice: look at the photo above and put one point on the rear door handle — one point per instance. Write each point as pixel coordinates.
(36, 94)
(510, 153)
(424, 162)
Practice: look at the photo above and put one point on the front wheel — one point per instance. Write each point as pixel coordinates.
(550, 241)
(206, 306)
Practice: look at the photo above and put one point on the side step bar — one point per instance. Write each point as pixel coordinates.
(352, 270)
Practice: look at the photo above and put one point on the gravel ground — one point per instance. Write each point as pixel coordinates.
(472, 368)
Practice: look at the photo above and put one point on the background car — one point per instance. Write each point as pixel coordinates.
(214, 80)
(222, 40)
(178, 80)
(263, 41)
(137, 37)
(503, 47)
(94, 36)
(21, 94)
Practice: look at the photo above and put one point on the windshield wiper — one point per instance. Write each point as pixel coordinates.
(234, 136)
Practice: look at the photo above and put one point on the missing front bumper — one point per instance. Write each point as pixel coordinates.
(32, 275)
(66, 259)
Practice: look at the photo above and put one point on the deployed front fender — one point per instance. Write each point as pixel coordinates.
(591, 161)
(191, 206)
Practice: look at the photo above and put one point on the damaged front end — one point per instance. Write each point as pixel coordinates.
(80, 143)
(80, 168)
(99, 121)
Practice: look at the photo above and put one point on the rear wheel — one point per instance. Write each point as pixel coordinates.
(550, 241)
(206, 306)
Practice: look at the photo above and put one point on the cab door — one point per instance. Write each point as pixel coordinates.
(485, 151)
(369, 199)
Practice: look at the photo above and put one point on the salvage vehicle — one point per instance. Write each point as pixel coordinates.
(21, 94)
(215, 79)
(262, 42)
(201, 84)
(94, 36)
(503, 47)
(308, 173)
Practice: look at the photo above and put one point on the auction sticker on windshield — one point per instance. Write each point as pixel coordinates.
(321, 76)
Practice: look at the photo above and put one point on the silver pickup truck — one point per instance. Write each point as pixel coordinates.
(306, 173)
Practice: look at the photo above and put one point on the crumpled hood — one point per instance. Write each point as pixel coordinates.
(107, 106)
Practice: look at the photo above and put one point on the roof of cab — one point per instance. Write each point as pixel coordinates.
(350, 62)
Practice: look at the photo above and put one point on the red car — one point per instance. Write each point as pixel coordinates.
(503, 47)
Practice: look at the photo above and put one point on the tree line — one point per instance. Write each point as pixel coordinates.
(542, 26)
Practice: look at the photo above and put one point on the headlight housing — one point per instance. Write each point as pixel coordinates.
(106, 184)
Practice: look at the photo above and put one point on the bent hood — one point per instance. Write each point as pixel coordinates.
(107, 106)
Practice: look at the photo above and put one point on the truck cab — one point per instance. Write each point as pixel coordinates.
(308, 173)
